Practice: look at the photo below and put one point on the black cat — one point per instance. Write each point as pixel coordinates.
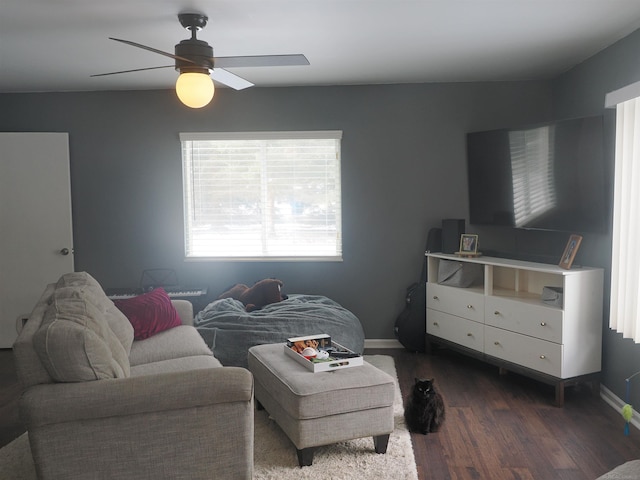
(424, 411)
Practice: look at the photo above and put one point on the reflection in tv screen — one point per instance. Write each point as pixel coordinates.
(548, 177)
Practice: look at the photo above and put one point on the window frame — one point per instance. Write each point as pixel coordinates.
(262, 135)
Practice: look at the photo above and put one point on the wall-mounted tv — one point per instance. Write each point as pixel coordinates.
(547, 177)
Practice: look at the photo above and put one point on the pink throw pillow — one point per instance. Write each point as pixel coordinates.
(149, 313)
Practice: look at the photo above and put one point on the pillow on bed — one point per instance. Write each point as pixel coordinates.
(149, 313)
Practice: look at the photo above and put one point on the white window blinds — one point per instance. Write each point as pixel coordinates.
(262, 195)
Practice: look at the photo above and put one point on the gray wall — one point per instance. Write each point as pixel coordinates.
(403, 170)
(582, 91)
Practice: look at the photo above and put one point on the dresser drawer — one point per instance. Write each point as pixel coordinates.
(539, 355)
(456, 301)
(539, 321)
(455, 329)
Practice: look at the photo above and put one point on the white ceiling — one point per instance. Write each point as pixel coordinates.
(55, 45)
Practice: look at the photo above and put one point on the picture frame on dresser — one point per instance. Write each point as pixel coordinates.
(570, 252)
(468, 244)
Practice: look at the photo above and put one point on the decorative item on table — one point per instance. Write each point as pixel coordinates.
(468, 246)
(319, 354)
(309, 353)
(315, 342)
(570, 252)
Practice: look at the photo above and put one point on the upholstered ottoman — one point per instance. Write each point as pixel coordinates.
(315, 409)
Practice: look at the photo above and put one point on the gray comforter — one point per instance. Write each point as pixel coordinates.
(230, 331)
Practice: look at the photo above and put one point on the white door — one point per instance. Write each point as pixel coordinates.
(36, 244)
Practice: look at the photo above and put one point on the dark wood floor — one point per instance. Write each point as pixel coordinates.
(497, 427)
(505, 427)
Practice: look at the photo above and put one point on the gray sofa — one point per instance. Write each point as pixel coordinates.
(99, 405)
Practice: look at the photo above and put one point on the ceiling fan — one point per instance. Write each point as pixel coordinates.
(197, 66)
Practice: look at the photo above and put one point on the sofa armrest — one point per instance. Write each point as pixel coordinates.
(185, 310)
(69, 402)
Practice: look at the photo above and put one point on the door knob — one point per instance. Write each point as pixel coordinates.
(65, 251)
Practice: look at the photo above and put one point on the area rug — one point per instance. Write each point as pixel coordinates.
(275, 456)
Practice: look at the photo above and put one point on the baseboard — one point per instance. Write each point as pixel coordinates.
(382, 343)
(616, 403)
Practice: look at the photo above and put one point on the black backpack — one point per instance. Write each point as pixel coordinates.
(411, 324)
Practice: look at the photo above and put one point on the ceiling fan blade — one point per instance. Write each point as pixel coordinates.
(230, 79)
(261, 61)
(151, 49)
(129, 71)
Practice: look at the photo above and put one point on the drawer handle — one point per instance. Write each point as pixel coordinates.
(469, 334)
(496, 343)
(543, 324)
(469, 306)
(435, 324)
(435, 297)
(496, 312)
(542, 357)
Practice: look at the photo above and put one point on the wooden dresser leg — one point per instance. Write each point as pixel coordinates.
(560, 394)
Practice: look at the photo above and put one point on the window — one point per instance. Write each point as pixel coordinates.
(262, 195)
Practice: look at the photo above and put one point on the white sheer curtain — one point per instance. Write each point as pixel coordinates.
(625, 262)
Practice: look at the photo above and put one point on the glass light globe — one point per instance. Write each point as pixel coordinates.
(194, 89)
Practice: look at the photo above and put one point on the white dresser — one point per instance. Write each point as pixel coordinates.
(502, 319)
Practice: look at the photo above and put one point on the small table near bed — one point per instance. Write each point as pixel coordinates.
(322, 408)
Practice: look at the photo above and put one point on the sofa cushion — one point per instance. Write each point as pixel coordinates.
(116, 320)
(77, 279)
(149, 313)
(182, 364)
(182, 341)
(74, 341)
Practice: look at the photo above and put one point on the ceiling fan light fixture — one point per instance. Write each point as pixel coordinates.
(195, 89)
(196, 64)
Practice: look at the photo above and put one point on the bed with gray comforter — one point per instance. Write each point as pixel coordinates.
(230, 330)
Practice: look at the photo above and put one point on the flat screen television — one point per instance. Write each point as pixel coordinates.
(546, 177)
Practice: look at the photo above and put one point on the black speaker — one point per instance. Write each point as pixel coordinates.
(452, 228)
(434, 240)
